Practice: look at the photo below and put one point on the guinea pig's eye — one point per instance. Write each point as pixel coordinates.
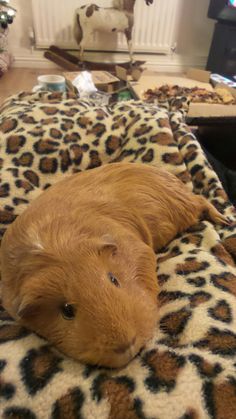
(68, 311)
(113, 280)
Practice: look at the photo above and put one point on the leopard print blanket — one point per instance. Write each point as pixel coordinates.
(188, 370)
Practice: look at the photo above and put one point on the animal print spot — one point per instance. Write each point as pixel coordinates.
(162, 138)
(195, 239)
(66, 161)
(8, 208)
(72, 138)
(222, 255)
(220, 206)
(55, 97)
(221, 312)
(190, 414)
(205, 368)
(185, 140)
(50, 110)
(142, 141)
(48, 165)
(225, 281)
(220, 193)
(83, 121)
(67, 124)
(69, 405)
(26, 159)
(37, 132)
(19, 201)
(113, 143)
(191, 265)
(164, 368)
(46, 146)
(163, 123)
(196, 169)
(118, 393)
(172, 158)
(14, 144)
(6, 217)
(8, 125)
(162, 279)
(18, 413)
(100, 114)
(119, 122)
(184, 176)
(28, 119)
(98, 130)
(96, 142)
(7, 390)
(169, 296)
(38, 368)
(4, 190)
(32, 177)
(85, 147)
(175, 322)
(175, 251)
(70, 113)
(148, 156)
(91, 9)
(55, 133)
(95, 160)
(3, 363)
(142, 130)
(14, 171)
(13, 331)
(220, 398)
(125, 154)
(199, 180)
(77, 153)
(198, 281)
(24, 184)
(49, 121)
(219, 342)
(198, 298)
(139, 152)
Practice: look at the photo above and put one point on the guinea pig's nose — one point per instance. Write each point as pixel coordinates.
(123, 348)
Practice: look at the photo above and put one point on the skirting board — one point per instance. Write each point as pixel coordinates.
(163, 63)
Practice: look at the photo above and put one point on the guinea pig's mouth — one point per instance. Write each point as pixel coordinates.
(119, 361)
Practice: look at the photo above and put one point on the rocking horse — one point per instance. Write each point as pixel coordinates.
(90, 18)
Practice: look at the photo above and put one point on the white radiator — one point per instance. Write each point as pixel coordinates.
(154, 29)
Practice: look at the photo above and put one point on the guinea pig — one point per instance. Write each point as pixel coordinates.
(79, 266)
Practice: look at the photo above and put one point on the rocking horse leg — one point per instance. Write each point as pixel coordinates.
(130, 46)
(128, 34)
(81, 52)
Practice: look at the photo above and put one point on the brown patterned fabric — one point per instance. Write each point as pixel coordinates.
(188, 369)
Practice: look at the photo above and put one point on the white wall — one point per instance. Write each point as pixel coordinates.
(193, 35)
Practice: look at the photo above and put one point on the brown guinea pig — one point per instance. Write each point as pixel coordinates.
(78, 266)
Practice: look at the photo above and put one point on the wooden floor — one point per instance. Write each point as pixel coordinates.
(17, 79)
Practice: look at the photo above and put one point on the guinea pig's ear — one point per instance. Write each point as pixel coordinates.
(108, 244)
(28, 307)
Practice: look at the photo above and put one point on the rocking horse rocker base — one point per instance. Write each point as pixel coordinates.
(71, 63)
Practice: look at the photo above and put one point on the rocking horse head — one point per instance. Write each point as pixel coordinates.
(90, 18)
